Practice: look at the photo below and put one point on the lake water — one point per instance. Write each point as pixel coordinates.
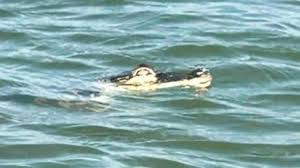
(54, 112)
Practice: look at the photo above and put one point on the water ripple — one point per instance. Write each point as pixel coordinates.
(53, 53)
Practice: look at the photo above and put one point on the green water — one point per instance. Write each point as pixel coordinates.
(52, 53)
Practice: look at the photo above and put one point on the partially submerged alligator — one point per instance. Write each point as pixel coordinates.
(144, 77)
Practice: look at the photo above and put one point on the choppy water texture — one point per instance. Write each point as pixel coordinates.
(54, 113)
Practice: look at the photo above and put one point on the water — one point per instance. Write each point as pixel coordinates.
(52, 54)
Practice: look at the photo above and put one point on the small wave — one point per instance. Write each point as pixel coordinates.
(4, 118)
(63, 64)
(191, 50)
(292, 2)
(12, 83)
(64, 102)
(23, 151)
(148, 160)
(262, 148)
(49, 62)
(190, 104)
(85, 38)
(279, 51)
(77, 129)
(5, 13)
(6, 35)
(278, 101)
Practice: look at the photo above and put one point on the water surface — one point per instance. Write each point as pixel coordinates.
(52, 54)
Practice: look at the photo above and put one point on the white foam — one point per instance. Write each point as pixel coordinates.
(107, 91)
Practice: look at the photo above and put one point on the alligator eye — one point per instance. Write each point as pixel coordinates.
(199, 73)
(205, 72)
(139, 73)
(143, 72)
